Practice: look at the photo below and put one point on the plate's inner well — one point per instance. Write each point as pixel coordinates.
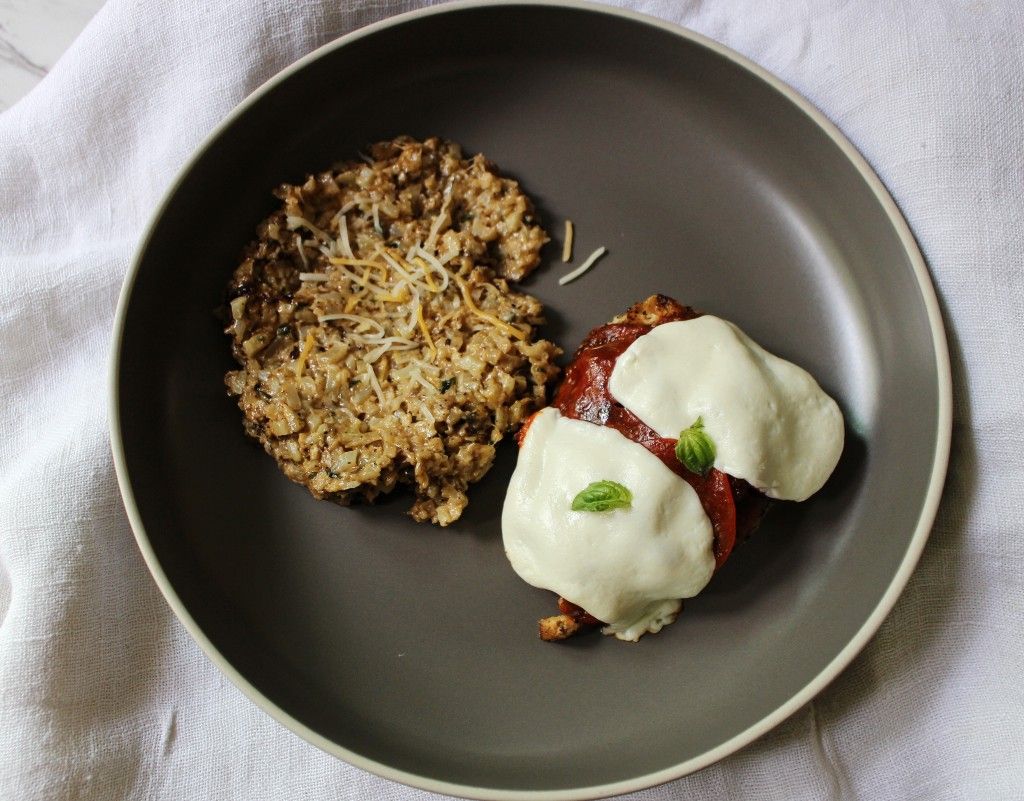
(416, 646)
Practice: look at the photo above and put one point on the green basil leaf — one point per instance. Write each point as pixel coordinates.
(602, 496)
(695, 449)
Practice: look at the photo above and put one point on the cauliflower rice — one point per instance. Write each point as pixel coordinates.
(378, 339)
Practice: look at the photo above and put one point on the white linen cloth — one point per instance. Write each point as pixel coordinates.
(102, 693)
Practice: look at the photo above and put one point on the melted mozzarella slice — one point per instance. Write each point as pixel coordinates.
(770, 421)
(627, 567)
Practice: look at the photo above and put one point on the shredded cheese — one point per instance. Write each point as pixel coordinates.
(567, 242)
(424, 383)
(353, 300)
(444, 258)
(518, 333)
(398, 343)
(360, 263)
(411, 325)
(376, 353)
(300, 365)
(375, 384)
(294, 221)
(362, 322)
(435, 226)
(401, 296)
(591, 260)
(434, 262)
(423, 327)
(426, 275)
(346, 248)
(382, 346)
(393, 259)
(364, 268)
(364, 282)
(430, 368)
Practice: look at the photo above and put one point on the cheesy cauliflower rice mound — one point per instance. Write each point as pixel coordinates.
(379, 341)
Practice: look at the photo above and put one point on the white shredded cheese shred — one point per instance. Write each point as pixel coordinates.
(362, 322)
(394, 265)
(345, 247)
(314, 277)
(302, 253)
(295, 222)
(376, 219)
(433, 261)
(590, 262)
(376, 353)
(426, 384)
(375, 384)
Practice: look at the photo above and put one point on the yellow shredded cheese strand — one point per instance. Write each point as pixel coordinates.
(426, 275)
(355, 278)
(398, 264)
(434, 262)
(364, 282)
(353, 300)
(518, 333)
(423, 327)
(306, 349)
(356, 262)
(567, 243)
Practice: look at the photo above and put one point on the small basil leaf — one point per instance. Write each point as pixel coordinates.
(602, 496)
(695, 449)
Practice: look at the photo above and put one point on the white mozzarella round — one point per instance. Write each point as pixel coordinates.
(627, 567)
(770, 422)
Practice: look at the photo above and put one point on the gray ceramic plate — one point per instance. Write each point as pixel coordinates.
(411, 651)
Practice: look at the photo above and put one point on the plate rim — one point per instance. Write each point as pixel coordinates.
(926, 519)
